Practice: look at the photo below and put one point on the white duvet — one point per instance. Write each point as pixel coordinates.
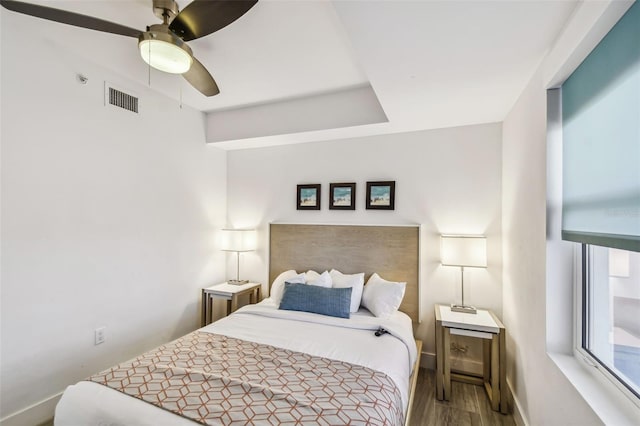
(89, 403)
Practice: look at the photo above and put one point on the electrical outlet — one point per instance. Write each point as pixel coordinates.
(99, 335)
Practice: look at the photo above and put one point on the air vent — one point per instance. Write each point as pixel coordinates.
(120, 99)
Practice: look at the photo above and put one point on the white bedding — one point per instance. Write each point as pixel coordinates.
(88, 403)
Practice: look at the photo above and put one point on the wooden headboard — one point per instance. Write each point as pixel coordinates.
(391, 251)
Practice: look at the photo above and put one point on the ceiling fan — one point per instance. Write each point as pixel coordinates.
(162, 46)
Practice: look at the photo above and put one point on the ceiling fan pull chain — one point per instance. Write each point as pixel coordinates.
(149, 66)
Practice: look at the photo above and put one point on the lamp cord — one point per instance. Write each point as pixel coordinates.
(149, 65)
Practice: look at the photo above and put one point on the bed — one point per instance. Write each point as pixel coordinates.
(264, 365)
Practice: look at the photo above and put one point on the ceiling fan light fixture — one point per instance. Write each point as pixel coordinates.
(165, 51)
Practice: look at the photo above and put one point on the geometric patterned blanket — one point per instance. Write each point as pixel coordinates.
(214, 379)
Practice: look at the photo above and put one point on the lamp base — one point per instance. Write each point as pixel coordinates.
(237, 282)
(463, 308)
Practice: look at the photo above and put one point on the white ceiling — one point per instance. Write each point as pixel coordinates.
(431, 64)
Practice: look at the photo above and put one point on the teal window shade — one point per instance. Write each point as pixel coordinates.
(601, 141)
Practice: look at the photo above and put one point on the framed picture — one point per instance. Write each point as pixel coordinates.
(309, 197)
(381, 195)
(342, 196)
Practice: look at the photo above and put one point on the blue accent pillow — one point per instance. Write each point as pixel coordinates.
(335, 302)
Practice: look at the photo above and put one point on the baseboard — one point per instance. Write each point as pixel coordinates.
(518, 416)
(35, 414)
(428, 360)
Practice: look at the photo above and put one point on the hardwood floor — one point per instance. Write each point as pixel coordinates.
(469, 405)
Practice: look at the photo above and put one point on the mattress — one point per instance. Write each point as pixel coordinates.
(350, 341)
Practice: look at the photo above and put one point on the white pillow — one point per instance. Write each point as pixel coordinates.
(311, 275)
(320, 280)
(382, 297)
(277, 288)
(355, 281)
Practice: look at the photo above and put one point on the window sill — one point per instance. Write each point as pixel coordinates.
(608, 402)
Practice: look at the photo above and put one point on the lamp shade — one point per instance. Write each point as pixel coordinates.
(238, 239)
(463, 250)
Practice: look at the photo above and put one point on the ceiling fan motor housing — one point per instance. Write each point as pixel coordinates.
(165, 9)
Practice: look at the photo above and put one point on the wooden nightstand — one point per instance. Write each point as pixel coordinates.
(230, 293)
(484, 325)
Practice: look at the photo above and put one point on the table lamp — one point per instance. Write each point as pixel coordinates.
(463, 250)
(238, 240)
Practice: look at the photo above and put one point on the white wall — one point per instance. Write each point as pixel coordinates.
(543, 394)
(108, 219)
(448, 180)
(537, 281)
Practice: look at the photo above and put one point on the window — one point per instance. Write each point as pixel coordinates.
(611, 312)
(599, 113)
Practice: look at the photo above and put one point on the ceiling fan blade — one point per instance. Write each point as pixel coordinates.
(199, 77)
(203, 17)
(69, 18)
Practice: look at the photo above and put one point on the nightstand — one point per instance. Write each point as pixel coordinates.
(483, 325)
(230, 293)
